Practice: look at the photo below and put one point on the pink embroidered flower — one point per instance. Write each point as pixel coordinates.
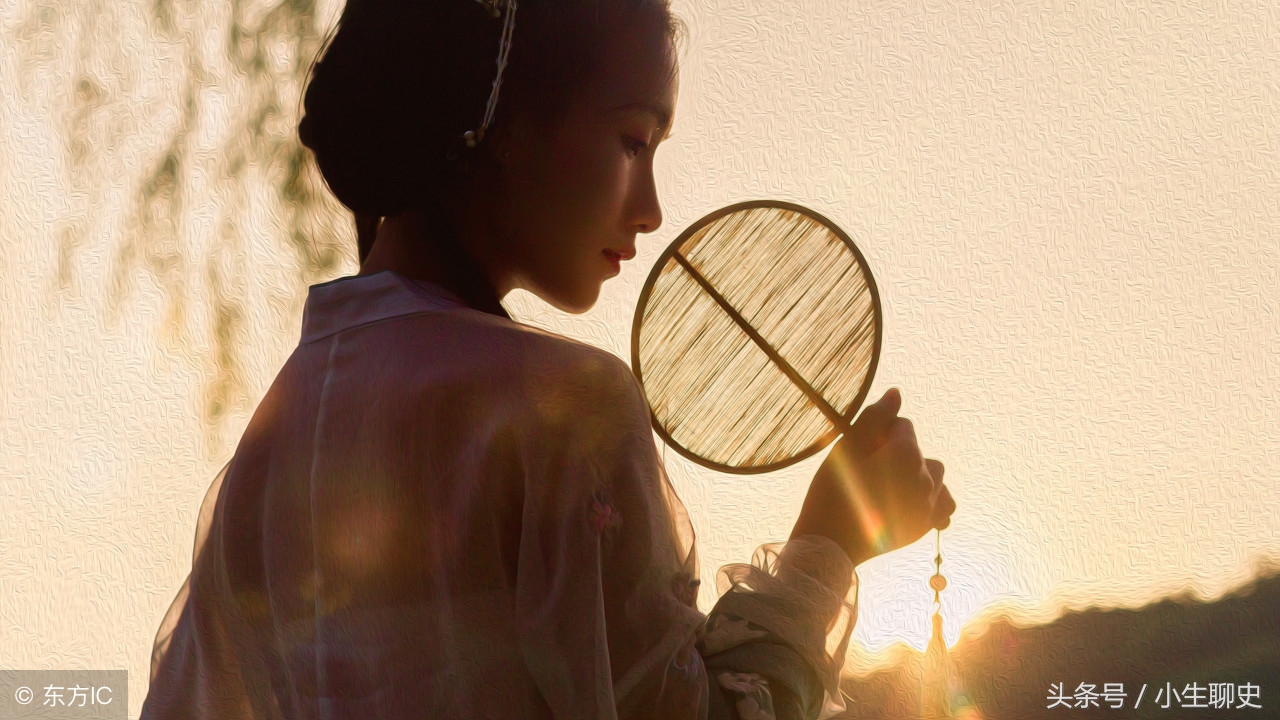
(604, 515)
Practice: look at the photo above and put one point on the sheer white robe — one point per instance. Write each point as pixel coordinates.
(439, 512)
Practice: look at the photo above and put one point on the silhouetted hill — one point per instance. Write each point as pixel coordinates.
(1007, 672)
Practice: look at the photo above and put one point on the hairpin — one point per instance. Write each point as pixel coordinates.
(495, 8)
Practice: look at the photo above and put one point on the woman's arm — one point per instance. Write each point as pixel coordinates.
(604, 550)
(607, 619)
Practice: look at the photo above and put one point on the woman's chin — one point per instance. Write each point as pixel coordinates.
(574, 303)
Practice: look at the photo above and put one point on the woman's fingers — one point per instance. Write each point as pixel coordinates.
(936, 471)
(873, 426)
(943, 508)
(901, 450)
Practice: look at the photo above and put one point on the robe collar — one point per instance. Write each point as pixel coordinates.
(355, 300)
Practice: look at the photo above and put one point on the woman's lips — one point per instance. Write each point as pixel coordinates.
(615, 259)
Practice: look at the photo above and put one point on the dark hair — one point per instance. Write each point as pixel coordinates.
(402, 80)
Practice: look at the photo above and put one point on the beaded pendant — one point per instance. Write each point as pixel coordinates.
(936, 699)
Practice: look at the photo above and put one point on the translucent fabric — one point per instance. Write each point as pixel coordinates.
(438, 512)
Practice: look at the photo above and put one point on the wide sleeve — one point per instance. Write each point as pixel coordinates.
(608, 575)
(202, 666)
(779, 633)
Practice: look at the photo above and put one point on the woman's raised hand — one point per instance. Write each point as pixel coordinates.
(876, 492)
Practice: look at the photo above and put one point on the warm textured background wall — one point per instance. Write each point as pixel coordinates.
(1071, 210)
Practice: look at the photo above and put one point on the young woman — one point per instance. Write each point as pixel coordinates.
(439, 512)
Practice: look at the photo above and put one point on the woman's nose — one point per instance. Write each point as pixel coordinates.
(647, 213)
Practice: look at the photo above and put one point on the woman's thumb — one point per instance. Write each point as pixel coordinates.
(874, 422)
(892, 401)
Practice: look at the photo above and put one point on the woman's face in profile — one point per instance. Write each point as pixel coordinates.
(586, 188)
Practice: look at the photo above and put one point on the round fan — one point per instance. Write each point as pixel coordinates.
(756, 337)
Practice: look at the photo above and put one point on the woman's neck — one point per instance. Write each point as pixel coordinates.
(422, 246)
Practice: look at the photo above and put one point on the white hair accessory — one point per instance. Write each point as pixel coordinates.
(495, 9)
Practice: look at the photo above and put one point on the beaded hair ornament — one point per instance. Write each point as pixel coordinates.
(495, 8)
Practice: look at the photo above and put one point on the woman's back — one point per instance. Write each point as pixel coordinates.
(424, 514)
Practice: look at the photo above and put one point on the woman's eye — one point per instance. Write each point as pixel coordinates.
(634, 146)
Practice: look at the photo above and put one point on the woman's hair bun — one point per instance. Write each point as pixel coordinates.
(390, 92)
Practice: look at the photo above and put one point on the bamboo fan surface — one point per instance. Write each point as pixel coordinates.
(756, 337)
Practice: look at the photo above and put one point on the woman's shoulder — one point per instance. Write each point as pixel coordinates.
(579, 376)
(552, 372)
(489, 334)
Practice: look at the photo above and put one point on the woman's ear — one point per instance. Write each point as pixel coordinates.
(507, 141)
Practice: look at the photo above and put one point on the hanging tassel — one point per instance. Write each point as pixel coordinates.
(936, 693)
